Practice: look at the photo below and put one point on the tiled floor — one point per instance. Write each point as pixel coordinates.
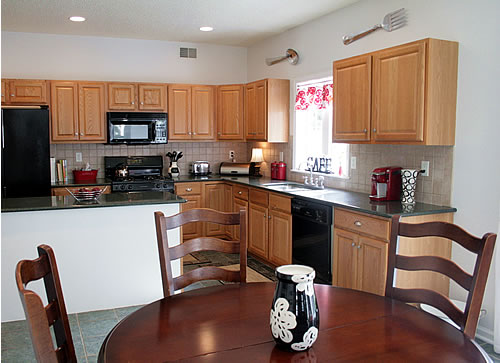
(90, 328)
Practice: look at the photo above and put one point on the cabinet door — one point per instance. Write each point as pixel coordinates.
(398, 93)
(352, 99)
(203, 113)
(179, 112)
(214, 199)
(230, 112)
(372, 265)
(345, 259)
(121, 96)
(28, 91)
(91, 106)
(152, 97)
(261, 110)
(64, 111)
(257, 231)
(191, 230)
(280, 238)
(239, 204)
(228, 207)
(4, 90)
(250, 112)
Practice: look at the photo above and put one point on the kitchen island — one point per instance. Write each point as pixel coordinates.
(106, 252)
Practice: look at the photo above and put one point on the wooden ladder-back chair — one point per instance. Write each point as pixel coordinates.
(167, 254)
(40, 318)
(475, 284)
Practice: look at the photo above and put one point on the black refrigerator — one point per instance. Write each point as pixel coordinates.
(25, 152)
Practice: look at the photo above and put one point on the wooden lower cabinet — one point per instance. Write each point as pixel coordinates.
(239, 204)
(214, 199)
(280, 237)
(192, 192)
(360, 262)
(257, 232)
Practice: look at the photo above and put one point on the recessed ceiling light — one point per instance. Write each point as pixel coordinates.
(76, 18)
(206, 28)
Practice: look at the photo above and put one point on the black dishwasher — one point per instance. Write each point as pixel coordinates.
(312, 237)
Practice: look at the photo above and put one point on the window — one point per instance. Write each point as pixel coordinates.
(313, 146)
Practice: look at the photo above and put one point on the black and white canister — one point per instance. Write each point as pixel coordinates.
(294, 312)
(409, 181)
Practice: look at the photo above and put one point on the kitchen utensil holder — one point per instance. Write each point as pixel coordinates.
(409, 179)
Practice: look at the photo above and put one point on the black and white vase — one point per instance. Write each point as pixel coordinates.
(409, 181)
(294, 313)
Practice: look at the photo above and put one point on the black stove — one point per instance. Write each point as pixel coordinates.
(144, 174)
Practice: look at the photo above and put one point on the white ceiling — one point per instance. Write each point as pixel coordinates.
(236, 22)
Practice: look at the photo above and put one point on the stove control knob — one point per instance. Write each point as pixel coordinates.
(122, 187)
(157, 186)
(129, 187)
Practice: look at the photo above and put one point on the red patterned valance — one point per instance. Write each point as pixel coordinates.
(319, 97)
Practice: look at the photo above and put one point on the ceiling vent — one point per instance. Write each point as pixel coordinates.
(188, 53)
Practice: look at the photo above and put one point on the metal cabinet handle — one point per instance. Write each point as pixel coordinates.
(358, 223)
(194, 133)
(142, 103)
(374, 130)
(76, 133)
(269, 217)
(81, 133)
(189, 189)
(353, 244)
(365, 131)
(133, 103)
(359, 246)
(13, 95)
(240, 193)
(218, 133)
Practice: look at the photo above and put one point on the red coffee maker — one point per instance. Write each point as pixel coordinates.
(386, 184)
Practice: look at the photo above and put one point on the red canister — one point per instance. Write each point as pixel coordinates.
(274, 170)
(281, 172)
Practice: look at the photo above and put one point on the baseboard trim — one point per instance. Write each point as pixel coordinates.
(484, 334)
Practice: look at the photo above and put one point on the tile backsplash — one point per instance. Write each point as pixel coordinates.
(434, 189)
(213, 152)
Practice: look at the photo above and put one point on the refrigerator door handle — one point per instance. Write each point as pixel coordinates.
(3, 142)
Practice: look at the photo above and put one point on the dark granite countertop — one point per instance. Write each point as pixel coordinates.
(105, 200)
(70, 184)
(355, 201)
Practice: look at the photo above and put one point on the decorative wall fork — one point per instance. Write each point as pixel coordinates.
(391, 21)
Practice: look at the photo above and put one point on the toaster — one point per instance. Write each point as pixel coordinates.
(199, 168)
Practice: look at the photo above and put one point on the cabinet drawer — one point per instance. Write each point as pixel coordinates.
(258, 197)
(240, 192)
(362, 223)
(188, 188)
(277, 202)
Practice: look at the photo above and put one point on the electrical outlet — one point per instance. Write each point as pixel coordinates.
(78, 157)
(425, 166)
(353, 162)
(231, 154)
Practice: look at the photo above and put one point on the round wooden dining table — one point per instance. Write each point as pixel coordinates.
(230, 323)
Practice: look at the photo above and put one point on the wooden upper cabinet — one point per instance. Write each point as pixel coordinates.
(267, 110)
(398, 93)
(121, 96)
(230, 112)
(179, 112)
(78, 111)
(64, 111)
(411, 98)
(92, 120)
(25, 91)
(352, 99)
(191, 112)
(152, 97)
(203, 112)
(4, 90)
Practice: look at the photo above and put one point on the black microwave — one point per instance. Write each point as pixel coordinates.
(137, 128)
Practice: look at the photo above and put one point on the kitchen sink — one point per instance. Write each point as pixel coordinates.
(290, 187)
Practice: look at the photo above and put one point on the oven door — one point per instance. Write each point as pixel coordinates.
(131, 132)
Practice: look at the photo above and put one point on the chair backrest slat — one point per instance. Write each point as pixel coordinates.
(475, 284)
(206, 273)
(40, 318)
(167, 254)
(204, 244)
(436, 264)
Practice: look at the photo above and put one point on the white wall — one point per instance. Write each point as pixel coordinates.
(476, 169)
(47, 56)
